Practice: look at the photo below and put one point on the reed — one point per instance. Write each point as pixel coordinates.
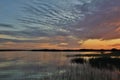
(84, 72)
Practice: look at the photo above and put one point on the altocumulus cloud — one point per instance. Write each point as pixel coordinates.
(55, 17)
(82, 19)
(102, 24)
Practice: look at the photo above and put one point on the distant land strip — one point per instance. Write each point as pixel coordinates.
(67, 50)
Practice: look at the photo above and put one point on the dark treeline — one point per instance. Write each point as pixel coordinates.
(81, 50)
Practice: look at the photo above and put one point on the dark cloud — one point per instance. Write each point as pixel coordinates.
(102, 24)
(2, 40)
(33, 33)
(6, 25)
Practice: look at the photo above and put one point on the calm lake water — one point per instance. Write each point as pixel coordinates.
(27, 65)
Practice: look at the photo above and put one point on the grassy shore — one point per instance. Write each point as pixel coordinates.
(85, 72)
(99, 54)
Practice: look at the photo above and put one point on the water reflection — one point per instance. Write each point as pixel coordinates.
(30, 65)
(48, 66)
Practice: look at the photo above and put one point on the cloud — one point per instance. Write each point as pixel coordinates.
(53, 18)
(115, 45)
(3, 40)
(102, 24)
(101, 44)
(97, 23)
(63, 44)
(34, 33)
(5, 26)
(64, 21)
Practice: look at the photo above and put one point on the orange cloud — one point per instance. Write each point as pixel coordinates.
(101, 44)
(88, 44)
(30, 45)
(116, 45)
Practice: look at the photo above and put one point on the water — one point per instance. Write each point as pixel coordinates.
(27, 65)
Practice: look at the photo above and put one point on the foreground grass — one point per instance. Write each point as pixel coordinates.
(73, 72)
(84, 72)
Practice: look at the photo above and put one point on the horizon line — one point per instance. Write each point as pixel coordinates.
(113, 49)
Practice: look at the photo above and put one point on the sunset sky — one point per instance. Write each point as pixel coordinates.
(59, 24)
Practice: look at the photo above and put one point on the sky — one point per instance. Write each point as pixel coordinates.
(59, 24)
